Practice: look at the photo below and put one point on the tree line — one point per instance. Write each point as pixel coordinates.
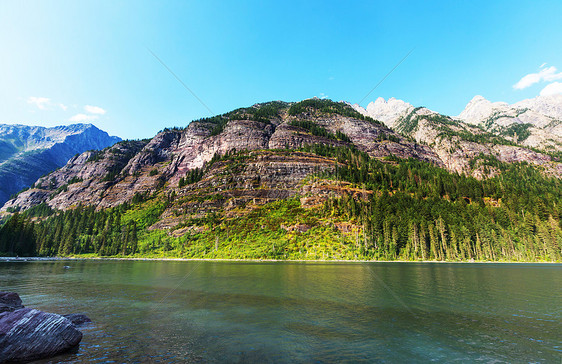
(78, 231)
(418, 211)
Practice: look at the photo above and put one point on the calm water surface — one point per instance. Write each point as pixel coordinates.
(300, 312)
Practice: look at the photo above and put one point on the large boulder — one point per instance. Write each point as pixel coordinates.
(28, 334)
(9, 301)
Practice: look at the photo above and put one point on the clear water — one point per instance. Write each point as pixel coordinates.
(300, 312)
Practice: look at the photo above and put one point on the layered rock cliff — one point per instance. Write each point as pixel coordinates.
(114, 175)
(276, 131)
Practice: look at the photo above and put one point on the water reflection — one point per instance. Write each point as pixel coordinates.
(307, 312)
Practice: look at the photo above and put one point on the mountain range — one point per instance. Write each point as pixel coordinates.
(532, 122)
(504, 131)
(28, 152)
(314, 179)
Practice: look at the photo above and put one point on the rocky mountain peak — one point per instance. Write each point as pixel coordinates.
(386, 111)
(25, 138)
(535, 122)
(27, 152)
(117, 174)
(549, 105)
(479, 109)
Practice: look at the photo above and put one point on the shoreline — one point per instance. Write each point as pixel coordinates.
(49, 259)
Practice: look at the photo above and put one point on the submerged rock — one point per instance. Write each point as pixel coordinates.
(77, 318)
(9, 301)
(28, 334)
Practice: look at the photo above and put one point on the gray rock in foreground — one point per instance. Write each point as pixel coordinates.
(9, 301)
(27, 334)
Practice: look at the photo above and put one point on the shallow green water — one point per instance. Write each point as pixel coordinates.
(300, 312)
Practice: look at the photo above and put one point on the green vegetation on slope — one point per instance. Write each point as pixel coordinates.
(518, 131)
(318, 130)
(262, 113)
(449, 128)
(391, 209)
(327, 106)
(419, 211)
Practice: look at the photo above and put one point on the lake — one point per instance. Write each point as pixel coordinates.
(259, 312)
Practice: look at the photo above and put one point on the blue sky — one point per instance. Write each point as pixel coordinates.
(65, 61)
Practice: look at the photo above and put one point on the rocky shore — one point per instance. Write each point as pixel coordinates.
(29, 334)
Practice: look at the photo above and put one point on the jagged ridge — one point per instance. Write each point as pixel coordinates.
(27, 152)
(478, 130)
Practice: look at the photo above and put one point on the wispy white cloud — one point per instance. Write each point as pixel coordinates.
(79, 118)
(40, 102)
(552, 89)
(548, 74)
(94, 110)
(323, 96)
(542, 65)
(45, 103)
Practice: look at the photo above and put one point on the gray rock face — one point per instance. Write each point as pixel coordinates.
(9, 301)
(92, 170)
(541, 119)
(27, 334)
(196, 146)
(386, 111)
(457, 141)
(28, 152)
